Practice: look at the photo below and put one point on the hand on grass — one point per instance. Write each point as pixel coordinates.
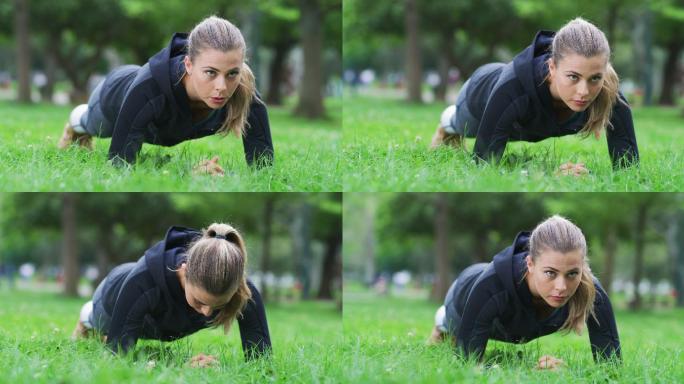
(203, 361)
(572, 169)
(550, 363)
(209, 167)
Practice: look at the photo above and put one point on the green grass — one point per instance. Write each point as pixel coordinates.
(385, 149)
(35, 348)
(307, 157)
(385, 340)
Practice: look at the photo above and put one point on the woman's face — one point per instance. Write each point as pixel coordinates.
(577, 80)
(202, 301)
(555, 276)
(213, 76)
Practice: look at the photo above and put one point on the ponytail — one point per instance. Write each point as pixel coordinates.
(217, 262)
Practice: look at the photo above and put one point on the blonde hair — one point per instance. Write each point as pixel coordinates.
(561, 235)
(581, 37)
(216, 262)
(220, 34)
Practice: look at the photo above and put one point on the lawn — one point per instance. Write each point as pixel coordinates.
(385, 340)
(306, 152)
(35, 348)
(385, 147)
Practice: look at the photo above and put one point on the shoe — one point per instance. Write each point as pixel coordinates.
(442, 137)
(69, 136)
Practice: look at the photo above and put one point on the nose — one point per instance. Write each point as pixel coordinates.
(220, 84)
(582, 89)
(560, 285)
(205, 310)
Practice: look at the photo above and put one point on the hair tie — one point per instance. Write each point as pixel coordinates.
(221, 237)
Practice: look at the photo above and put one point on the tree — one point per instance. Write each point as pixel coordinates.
(441, 228)
(310, 103)
(21, 33)
(668, 32)
(413, 55)
(69, 244)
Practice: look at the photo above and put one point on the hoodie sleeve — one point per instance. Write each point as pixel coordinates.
(496, 125)
(479, 314)
(603, 334)
(256, 340)
(257, 139)
(136, 113)
(622, 144)
(128, 316)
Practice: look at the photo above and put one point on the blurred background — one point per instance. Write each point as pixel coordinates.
(416, 244)
(57, 51)
(420, 50)
(68, 242)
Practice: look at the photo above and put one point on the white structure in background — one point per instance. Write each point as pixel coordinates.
(27, 270)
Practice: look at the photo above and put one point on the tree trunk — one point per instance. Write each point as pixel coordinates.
(301, 242)
(441, 228)
(21, 33)
(413, 59)
(611, 22)
(69, 245)
(609, 248)
(332, 266)
(670, 73)
(675, 244)
(266, 244)
(639, 235)
(311, 92)
(278, 74)
(369, 240)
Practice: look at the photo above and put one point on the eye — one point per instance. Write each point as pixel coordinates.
(233, 74)
(550, 274)
(572, 275)
(210, 73)
(573, 77)
(596, 79)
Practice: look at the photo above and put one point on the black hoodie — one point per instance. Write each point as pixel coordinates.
(149, 104)
(514, 103)
(148, 302)
(496, 304)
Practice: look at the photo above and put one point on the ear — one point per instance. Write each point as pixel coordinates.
(188, 65)
(552, 68)
(530, 263)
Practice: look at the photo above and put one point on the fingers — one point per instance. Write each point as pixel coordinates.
(549, 362)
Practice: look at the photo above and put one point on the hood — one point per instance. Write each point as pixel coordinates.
(160, 63)
(176, 238)
(527, 68)
(503, 261)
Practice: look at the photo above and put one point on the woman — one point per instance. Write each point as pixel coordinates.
(539, 285)
(199, 85)
(189, 281)
(562, 84)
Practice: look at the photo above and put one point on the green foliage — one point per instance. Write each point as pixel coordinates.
(386, 149)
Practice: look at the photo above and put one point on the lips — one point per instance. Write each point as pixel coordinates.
(218, 100)
(580, 103)
(558, 298)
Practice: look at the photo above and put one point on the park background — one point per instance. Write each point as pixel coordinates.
(404, 62)
(56, 247)
(53, 53)
(402, 251)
